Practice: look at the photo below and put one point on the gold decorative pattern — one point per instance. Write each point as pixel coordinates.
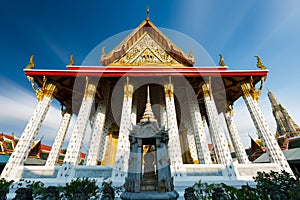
(229, 108)
(146, 51)
(128, 89)
(90, 89)
(146, 27)
(250, 90)
(46, 89)
(49, 90)
(206, 90)
(169, 89)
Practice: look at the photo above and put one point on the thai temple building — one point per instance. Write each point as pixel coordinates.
(148, 105)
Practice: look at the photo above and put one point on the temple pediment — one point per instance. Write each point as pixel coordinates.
(146, 51)
(147, 45)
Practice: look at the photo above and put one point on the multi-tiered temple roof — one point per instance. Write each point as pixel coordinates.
(148, 53)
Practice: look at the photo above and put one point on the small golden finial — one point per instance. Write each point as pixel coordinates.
(103, 52)
(31, 62)
(71, 60)
(147, 12)
(259, 63)
(221, 61)
(191, 54)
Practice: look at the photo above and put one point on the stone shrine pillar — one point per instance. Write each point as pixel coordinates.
(263, 130)
(21, 151)
(216, 130)
(59, 139)
(235, 137)
(98, 128)
(174, 149)
(72, 156)
(122, 155)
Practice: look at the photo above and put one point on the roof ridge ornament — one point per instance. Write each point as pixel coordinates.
(147, 12)
(31, 62)
(221, 61)
(259, 63)
(72, 62)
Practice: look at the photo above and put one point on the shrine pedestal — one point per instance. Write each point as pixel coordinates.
(150, 195)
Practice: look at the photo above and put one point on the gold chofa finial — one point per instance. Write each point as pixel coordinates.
(221, 61)
(71, 60)
(259, 63)
(103, 52)
(147, 12)
(31, 63)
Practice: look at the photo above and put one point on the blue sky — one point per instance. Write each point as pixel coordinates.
(52, 30)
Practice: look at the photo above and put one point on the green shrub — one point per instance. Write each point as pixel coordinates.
(275, 185)
(4, 187)
(80, 189)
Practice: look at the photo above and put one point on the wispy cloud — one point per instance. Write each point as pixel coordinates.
(17, 106)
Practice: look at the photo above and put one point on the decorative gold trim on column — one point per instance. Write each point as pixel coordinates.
(47, 89)
(229, 109)
(206, 89)
(128, 89)
(90, 89)
(169, 89)
(249, 90)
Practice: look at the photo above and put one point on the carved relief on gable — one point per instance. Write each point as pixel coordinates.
(146, 51)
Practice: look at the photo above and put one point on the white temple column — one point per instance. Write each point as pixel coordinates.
(59, 139)
(235, 137)
(174, 141)
(105, 140)
(72, 156)
(263, 130)
(133, 113)
(98, 128)
(221, 145)
(200, 137)
(162, 112)
(20, 154)
(123, 149)
(192, 146)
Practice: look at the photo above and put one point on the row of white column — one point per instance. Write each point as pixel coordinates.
(217, 134)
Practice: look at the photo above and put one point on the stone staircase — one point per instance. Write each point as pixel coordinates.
(149, 182)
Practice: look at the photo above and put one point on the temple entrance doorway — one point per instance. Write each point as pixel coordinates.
(149, 169)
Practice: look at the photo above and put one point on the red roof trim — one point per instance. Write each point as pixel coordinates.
(151, 71)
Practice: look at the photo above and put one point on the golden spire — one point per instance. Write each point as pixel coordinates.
(148, 114)
(147, 12)
(31, 63)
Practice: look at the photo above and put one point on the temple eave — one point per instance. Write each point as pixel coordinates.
(65, 80)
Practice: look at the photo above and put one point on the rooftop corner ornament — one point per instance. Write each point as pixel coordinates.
(72, 62)
(31, 63)
(259, 63)
(221, 61)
